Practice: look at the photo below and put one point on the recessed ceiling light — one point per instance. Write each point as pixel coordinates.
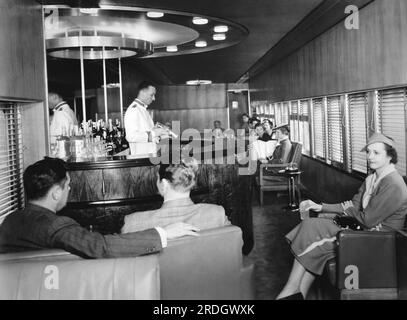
(221, 29)
(155, 14)
(199, 20)
(219, 36)
(198, 82)
(172, 49)
(88, 10)
(200, 44)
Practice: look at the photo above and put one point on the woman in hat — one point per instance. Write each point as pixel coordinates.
(380, 205)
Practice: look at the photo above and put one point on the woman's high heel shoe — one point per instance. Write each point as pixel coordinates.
(295, 296)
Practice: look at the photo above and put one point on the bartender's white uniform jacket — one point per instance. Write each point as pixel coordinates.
(137, 122)
(63, 119)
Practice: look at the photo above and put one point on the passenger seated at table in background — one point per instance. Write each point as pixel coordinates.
(268, 128)
(245, 123)
(174, 183)
(252, 125)
(262, 135)
(283, 148)
(37, 226)
(217, 130)
(379, 205)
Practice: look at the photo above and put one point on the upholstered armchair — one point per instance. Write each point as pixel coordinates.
(270, 180)
(365, 266)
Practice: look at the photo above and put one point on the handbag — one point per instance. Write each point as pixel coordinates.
(346, 222)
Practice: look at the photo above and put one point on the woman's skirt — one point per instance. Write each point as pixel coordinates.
(313, 243)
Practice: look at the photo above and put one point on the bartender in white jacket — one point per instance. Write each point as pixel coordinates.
(141, 133)
(63, 118)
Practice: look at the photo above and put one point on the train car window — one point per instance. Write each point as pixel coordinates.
(357, 106)
(319, 128)
(294, 127)
(392, 120)
(11, 160)
(304, 127)
(335, 130)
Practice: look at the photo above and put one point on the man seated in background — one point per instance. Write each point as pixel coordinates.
(217, 129)
(283, 149)
(37, 226)
(174, 183)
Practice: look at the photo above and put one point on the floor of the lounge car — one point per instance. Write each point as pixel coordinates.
(271, 252)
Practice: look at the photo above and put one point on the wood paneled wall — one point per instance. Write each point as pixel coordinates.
(33, 133)
(21, 50)
(194, 106)
(342, 60)
(191, 97)
(198, 119)
(326, 183)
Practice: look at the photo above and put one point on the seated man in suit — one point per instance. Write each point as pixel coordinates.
(174, 184)
(283, 149)
(37, 226)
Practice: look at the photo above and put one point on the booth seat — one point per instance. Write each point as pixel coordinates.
(210, 266)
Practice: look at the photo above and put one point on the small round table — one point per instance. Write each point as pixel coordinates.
(293, 202)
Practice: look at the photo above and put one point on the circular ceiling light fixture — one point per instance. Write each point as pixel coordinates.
(172, 49)
(97, 47)
(200, 44)
(198, 82)
(199, 20)
(221, 29)
(88, 10)
(219, 36)
(155, 14)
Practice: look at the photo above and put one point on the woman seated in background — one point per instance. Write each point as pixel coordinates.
(261, 134)
(268, 128)
(380, 205)
(174, 183)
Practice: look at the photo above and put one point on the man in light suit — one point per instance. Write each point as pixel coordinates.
(37, 226)
(174, 184)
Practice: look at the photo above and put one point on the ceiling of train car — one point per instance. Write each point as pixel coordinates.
(268, 22)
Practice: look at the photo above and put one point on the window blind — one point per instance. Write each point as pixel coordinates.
(357, 105)
(304, 126)
(285, 113)
(294, 134)
(11, 160)
(335, 132)
(392, 121)
(319, 127)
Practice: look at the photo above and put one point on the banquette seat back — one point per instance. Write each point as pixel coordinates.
(206, 267)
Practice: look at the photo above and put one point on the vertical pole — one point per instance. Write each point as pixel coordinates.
(83, 85)
(121, 93)
(104, 84)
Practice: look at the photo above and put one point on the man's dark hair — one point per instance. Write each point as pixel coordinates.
(284, 130)
(42, 175)
(144, 85)
(258, 125)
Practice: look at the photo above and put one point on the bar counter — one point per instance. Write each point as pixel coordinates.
(104, 190)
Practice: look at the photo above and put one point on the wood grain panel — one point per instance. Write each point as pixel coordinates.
(33, 120)
(342, 60)
(126, 183)
(326, 183)
(190, 97)
(198, 119)
(21, 50)
(86, 185)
